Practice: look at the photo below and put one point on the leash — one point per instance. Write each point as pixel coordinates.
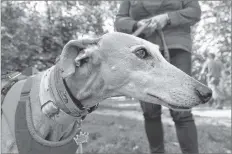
(161, 34)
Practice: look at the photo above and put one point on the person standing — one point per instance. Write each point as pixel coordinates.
(213, 69)
(174, 18)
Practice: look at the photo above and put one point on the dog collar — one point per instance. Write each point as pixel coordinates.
(57, 102)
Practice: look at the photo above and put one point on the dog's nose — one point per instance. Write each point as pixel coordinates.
(204, 93)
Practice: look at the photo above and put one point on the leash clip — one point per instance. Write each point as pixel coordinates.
(81, 138)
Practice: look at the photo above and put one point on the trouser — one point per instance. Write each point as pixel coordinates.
(215, 84)
(185, 126)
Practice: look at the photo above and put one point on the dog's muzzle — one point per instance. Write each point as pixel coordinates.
(204, 93)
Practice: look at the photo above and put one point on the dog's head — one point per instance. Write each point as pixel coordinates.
(122, 64)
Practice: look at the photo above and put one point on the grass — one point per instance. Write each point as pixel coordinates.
(118, 134)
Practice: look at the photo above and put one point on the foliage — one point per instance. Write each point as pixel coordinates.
(31, 37)
(213, 32)
(213, 35)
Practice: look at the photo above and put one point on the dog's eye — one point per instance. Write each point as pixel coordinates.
(83, 61)
(141, 53)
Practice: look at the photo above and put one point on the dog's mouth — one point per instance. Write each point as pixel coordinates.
(165, 103)
(178, 107)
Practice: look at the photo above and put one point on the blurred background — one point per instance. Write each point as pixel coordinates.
(34, 33)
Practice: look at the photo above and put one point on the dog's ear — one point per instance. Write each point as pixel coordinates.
(70, 52)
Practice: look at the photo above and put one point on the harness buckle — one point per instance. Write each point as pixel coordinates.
(81, 138)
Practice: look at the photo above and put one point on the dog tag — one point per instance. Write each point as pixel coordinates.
(81, 138)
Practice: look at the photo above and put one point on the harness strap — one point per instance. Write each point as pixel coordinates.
(15, 77)
(26, 90)
(6, 88)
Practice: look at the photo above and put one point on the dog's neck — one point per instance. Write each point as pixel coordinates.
(57, 101)
(89, 88)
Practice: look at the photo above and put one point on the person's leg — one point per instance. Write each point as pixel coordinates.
(220, 104)
(184, 122)
(211, 102)
(213, 87)
(153, 126)
(221, 94)
(186, 131)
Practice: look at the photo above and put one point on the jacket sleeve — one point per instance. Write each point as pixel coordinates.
(124, 23)
(190, 14)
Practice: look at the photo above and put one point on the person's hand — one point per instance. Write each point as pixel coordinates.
(159, 21)
(142, 22)
(149, 29)
(156, 22)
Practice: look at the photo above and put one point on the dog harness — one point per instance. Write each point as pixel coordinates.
(27, 139)
(12, 78)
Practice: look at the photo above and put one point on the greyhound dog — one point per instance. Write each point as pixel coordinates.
(87, 72)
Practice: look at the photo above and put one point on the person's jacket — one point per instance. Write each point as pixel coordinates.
(182, 14)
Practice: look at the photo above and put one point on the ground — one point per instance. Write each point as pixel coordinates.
(117, 127)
